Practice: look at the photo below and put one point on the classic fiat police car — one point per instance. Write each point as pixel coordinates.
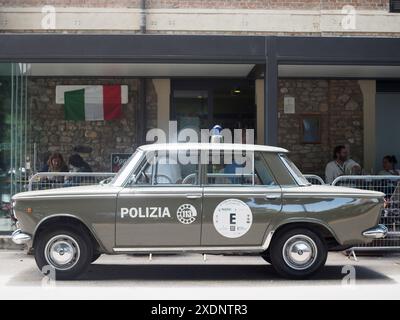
(212, 198)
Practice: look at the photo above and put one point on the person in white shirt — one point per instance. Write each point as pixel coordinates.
(341, 165)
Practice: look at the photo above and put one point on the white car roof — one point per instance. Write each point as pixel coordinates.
(211, 146)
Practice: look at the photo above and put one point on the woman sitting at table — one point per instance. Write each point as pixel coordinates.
(55, 163)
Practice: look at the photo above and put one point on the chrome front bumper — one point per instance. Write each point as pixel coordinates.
(378, 232)
(18, 237)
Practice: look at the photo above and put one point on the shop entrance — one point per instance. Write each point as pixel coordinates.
(201, 104)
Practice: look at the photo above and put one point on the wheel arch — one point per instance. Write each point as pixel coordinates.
(324, 230)
(68, 220)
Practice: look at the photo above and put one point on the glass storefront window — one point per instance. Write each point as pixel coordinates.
(13, 137)
(200, 104)
(234, 105)
(191, 109)
(5, 147)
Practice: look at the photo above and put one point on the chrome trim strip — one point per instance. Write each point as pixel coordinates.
(394, 248)
(200, 249)
(188, 249)
(327, 195)
(69, 196)
(153, 195)
(251, 195)
(268, 240)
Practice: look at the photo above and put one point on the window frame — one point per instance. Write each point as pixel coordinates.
(142, 165)
(284, 159)
(204, 179)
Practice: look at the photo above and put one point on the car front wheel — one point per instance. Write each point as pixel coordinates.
(298, 253)
(68, 252)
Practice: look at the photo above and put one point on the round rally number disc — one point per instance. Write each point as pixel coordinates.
(232, 218)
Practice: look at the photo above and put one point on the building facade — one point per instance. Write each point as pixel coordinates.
(305, 75)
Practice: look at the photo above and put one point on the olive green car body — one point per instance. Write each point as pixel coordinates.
(345, 216)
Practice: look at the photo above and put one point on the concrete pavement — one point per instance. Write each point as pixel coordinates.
(190, 277)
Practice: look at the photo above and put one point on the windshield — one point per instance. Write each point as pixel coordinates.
(127, 168)
(295, 172)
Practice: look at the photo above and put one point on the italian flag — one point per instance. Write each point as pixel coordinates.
(93, 103)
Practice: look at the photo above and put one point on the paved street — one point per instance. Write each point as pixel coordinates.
(219, 277)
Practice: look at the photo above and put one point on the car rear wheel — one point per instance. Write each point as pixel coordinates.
(67, 251)
(298, 253)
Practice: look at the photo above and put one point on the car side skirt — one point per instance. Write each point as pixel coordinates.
(215, 249)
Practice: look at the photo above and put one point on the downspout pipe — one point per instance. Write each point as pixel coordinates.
(141, 114)
(143, 17)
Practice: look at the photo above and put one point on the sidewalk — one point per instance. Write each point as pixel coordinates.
(220, 277)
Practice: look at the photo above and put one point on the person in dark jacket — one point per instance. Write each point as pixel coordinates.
(77, 164)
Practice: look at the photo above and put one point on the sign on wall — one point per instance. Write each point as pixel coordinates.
(118, 160)
(289, 105)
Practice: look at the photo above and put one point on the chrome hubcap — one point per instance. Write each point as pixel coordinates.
(300, 252)
(62, 252)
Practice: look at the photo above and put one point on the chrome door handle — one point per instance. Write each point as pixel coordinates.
(272, 196)
(193, 196)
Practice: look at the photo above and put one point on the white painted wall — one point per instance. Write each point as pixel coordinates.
(163, 91)
(204, 20)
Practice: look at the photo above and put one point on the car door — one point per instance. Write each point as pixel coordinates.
(161, 205)
(241, 198)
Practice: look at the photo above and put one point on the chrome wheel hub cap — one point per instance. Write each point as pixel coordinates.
(300, 252)
(62, 252)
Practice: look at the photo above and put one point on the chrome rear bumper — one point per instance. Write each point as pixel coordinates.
(378, 232)
(18, 237)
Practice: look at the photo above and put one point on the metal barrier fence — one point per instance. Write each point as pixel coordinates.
(52, 180)
(390, 186)
(314, 179)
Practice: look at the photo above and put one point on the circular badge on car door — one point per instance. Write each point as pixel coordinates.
(232, 218)
(186, 213)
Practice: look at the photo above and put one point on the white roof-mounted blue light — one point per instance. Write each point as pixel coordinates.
(216, 136)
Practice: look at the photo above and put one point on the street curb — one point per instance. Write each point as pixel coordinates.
(7, 244)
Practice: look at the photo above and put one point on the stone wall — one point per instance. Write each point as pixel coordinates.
(51, 132)
(338, 103)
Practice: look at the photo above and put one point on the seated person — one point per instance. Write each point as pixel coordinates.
(389, 167)
(55, 163)
(77, 164)
(341, 165)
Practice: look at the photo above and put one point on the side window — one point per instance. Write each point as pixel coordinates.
(238, 168)
(166, 169)
(263, 175)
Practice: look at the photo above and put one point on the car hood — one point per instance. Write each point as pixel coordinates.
(70, 191)
(333, 190)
